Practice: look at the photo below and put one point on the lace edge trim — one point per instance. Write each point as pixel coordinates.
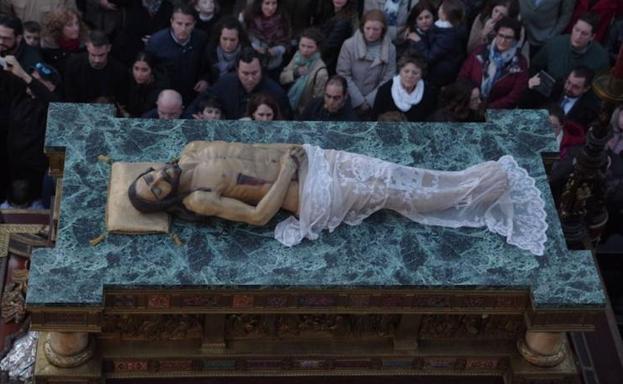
(529, 214)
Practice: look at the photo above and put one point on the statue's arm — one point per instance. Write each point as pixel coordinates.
(211, 204)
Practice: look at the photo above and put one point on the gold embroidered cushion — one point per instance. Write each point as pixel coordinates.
(121, 216)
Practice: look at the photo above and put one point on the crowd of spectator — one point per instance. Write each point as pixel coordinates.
(322, 60)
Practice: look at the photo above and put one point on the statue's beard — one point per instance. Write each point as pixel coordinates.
(172, 204)
(150, 206)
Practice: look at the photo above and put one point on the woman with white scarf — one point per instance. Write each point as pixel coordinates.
(407, 92)
(499, 68)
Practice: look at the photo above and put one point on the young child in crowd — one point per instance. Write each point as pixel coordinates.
(211, 109)
(208, 12)
(32, 33)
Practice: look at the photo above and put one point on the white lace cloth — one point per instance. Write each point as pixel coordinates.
(339, 186)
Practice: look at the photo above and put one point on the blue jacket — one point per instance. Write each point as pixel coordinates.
(182, 63)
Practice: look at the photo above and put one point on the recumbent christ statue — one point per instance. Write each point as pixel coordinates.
(250, 183)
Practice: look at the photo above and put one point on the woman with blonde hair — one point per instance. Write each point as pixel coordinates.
(367, 60)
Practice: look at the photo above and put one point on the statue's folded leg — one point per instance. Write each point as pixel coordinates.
(433, 192)
(348, 187)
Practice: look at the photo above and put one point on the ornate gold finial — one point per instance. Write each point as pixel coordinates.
(609, 84)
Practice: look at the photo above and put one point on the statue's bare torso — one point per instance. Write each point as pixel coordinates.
(244, 172)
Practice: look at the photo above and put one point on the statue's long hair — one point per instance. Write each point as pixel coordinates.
(172, 204)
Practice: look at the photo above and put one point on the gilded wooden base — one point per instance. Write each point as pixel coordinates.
(65, 351)
(543, 349)
(46, 373)
(211, 333)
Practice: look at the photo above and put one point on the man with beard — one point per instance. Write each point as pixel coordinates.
(12, 42)
(573, 94)
(333, 106)
(28, 95)
(94, 74)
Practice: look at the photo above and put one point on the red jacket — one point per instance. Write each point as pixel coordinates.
(508, 89)
(607, 10)
(573, 134)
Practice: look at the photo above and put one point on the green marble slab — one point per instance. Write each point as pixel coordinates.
(385, 251)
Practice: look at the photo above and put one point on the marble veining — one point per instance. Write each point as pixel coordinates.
(385, 251)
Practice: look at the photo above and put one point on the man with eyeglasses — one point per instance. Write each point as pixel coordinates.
(332, 106)
(180, 49)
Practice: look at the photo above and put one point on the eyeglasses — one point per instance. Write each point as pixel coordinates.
(505, 37)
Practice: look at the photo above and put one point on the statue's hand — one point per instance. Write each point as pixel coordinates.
(292, 159)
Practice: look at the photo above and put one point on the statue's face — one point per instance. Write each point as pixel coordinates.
(158, 184)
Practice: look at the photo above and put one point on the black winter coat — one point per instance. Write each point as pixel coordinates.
(444, 52)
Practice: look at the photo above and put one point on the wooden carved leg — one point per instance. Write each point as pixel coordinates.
(543, 349)
(68, 349)
(406, 335)
(214, 333)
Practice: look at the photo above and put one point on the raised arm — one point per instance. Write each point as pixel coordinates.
(211, 204)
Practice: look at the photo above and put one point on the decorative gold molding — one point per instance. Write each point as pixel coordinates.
(562, 320)
(297, 365)
(57, 162)
(66, 319)
(14, 297)
(317, 326)
(153, 327)
(7, 229)
(308, 301)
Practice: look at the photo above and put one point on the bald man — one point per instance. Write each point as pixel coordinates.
(169, 106)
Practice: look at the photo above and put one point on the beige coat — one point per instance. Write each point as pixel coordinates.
(364, 77)
(314, 87)
(34, 10)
